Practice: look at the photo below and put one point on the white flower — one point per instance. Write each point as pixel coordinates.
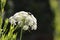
(25, 27)
(34, 27)
(34, 19)
(20, 16)
(25, 18)
(12, 20)
(29, 20)
(32, 22)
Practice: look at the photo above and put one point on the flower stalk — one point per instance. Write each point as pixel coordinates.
(21, 34)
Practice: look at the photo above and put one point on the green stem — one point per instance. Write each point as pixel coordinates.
(21, 34)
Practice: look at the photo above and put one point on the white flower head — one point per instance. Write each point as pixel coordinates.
(25, 18)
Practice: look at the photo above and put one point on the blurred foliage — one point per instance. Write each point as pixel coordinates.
(55, 8)
(10, 35)
(3, 28)
(2, 4)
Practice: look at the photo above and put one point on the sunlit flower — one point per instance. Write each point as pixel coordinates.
(25, 18)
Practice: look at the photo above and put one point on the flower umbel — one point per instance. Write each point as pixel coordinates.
(24, 18)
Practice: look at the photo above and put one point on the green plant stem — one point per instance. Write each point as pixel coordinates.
(21, 33)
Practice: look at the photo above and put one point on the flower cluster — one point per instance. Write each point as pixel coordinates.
(24, 18)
